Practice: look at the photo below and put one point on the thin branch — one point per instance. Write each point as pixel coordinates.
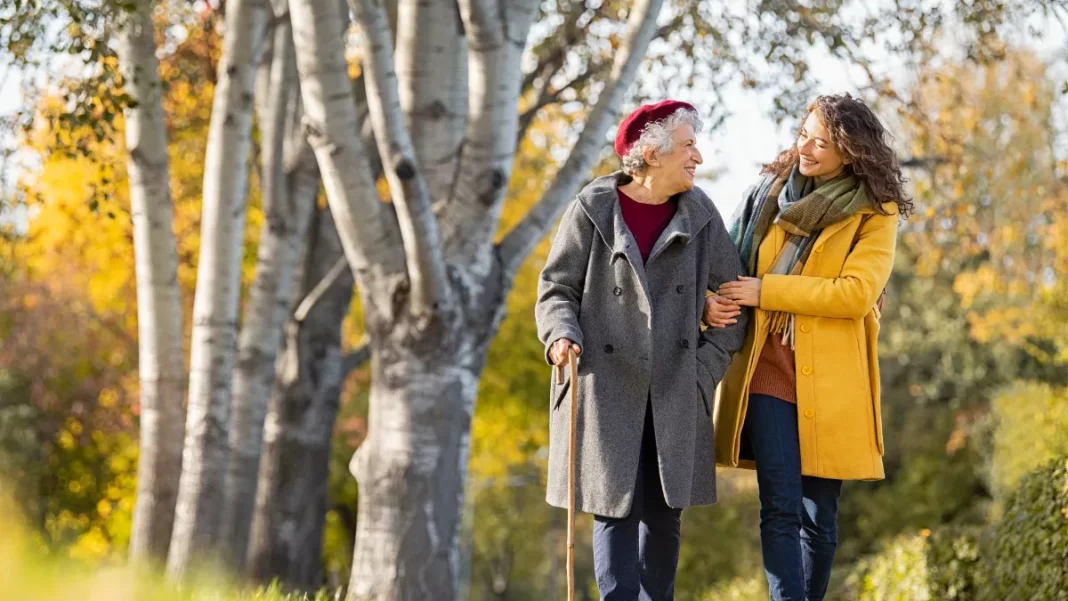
(430, 288)
(321, 288)
(518, 243)
(497, 32)
(555, 59)
(547, 98)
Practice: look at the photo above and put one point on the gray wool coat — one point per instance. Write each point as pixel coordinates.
(639, 329)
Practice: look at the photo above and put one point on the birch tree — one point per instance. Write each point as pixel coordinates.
(290, 184)
(215, 305)
(292, 500)
(430, 277)
(159, 310)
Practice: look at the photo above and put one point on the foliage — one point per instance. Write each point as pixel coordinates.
(43, 38)
(68, 365)
(1031, 422)
(943, 565)
(32, 573)
(929, 487)
(965, 266)
(739, 589)
(1027, 558)
(995, 203)
(722, 542)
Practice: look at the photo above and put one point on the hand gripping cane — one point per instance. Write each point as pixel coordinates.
(572, 453)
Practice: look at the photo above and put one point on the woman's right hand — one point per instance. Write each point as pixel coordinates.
(558, 351)
(720, 312)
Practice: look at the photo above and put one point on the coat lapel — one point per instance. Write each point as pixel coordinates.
(834, 228)
(600, 200)
(776, 237)
(691, 215)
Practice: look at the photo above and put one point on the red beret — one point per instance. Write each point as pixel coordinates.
(631, 128)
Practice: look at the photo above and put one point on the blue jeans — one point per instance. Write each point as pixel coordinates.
(634, 558)
(798, 514)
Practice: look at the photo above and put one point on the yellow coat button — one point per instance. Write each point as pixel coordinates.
(806, 328)
(809, 413)
(806, 370)
(819, 248)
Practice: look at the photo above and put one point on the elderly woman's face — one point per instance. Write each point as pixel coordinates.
(677, 168)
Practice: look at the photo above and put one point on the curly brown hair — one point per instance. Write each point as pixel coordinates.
(859, 135)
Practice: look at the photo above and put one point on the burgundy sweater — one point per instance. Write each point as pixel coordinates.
(645, 221)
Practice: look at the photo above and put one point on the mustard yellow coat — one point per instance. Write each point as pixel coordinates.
(836, 348)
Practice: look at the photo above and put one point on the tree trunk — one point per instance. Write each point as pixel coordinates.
(411, 471)
(429, 321)
(291, 504)
(412, 467)
(159, 308)
(215, 306)
(289, 196)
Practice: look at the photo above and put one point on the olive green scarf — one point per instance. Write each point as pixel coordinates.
(801, 209)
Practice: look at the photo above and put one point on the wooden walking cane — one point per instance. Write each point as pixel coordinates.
(572, 452)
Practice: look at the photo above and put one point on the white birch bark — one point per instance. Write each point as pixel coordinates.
(159, 309)
(425, 366)
(430, 288)
(431, 41)
(284, 229)
(292, 499)
(370, 237)
(215, 306)
(498, 32)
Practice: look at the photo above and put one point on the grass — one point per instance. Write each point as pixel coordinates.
(29, 572)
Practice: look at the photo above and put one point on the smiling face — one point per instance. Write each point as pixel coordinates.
(675, 170)
(819, 157)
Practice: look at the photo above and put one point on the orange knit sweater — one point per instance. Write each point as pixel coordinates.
(774, 374)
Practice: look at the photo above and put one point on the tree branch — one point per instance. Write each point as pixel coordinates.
(432, 85)
(498, 32)
(321, 287)
(332, 124)
(546, 98)
(562, 45)
(518, 243)
(430, 289)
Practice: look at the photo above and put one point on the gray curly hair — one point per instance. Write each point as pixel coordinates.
(657, 135)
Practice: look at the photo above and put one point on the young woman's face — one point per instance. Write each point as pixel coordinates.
(820, 158)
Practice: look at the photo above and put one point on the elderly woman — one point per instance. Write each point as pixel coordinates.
(624, 285)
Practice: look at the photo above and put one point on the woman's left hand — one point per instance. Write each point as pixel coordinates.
(745, 292)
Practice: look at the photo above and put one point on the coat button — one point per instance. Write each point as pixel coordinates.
(819, 248)
(684, 343)
(806, 328)
(806, 370)
(608, 348)
(809, 413)
(679, 288)
(617, 291)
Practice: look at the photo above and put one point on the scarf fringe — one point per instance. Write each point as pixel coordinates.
(783, 325)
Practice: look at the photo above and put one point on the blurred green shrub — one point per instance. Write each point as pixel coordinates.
(1031, 429)
(931, 566)
(1028, 555)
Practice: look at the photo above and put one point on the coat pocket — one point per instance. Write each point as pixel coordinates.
(560, 390)
(871, 335)
(704, 398)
